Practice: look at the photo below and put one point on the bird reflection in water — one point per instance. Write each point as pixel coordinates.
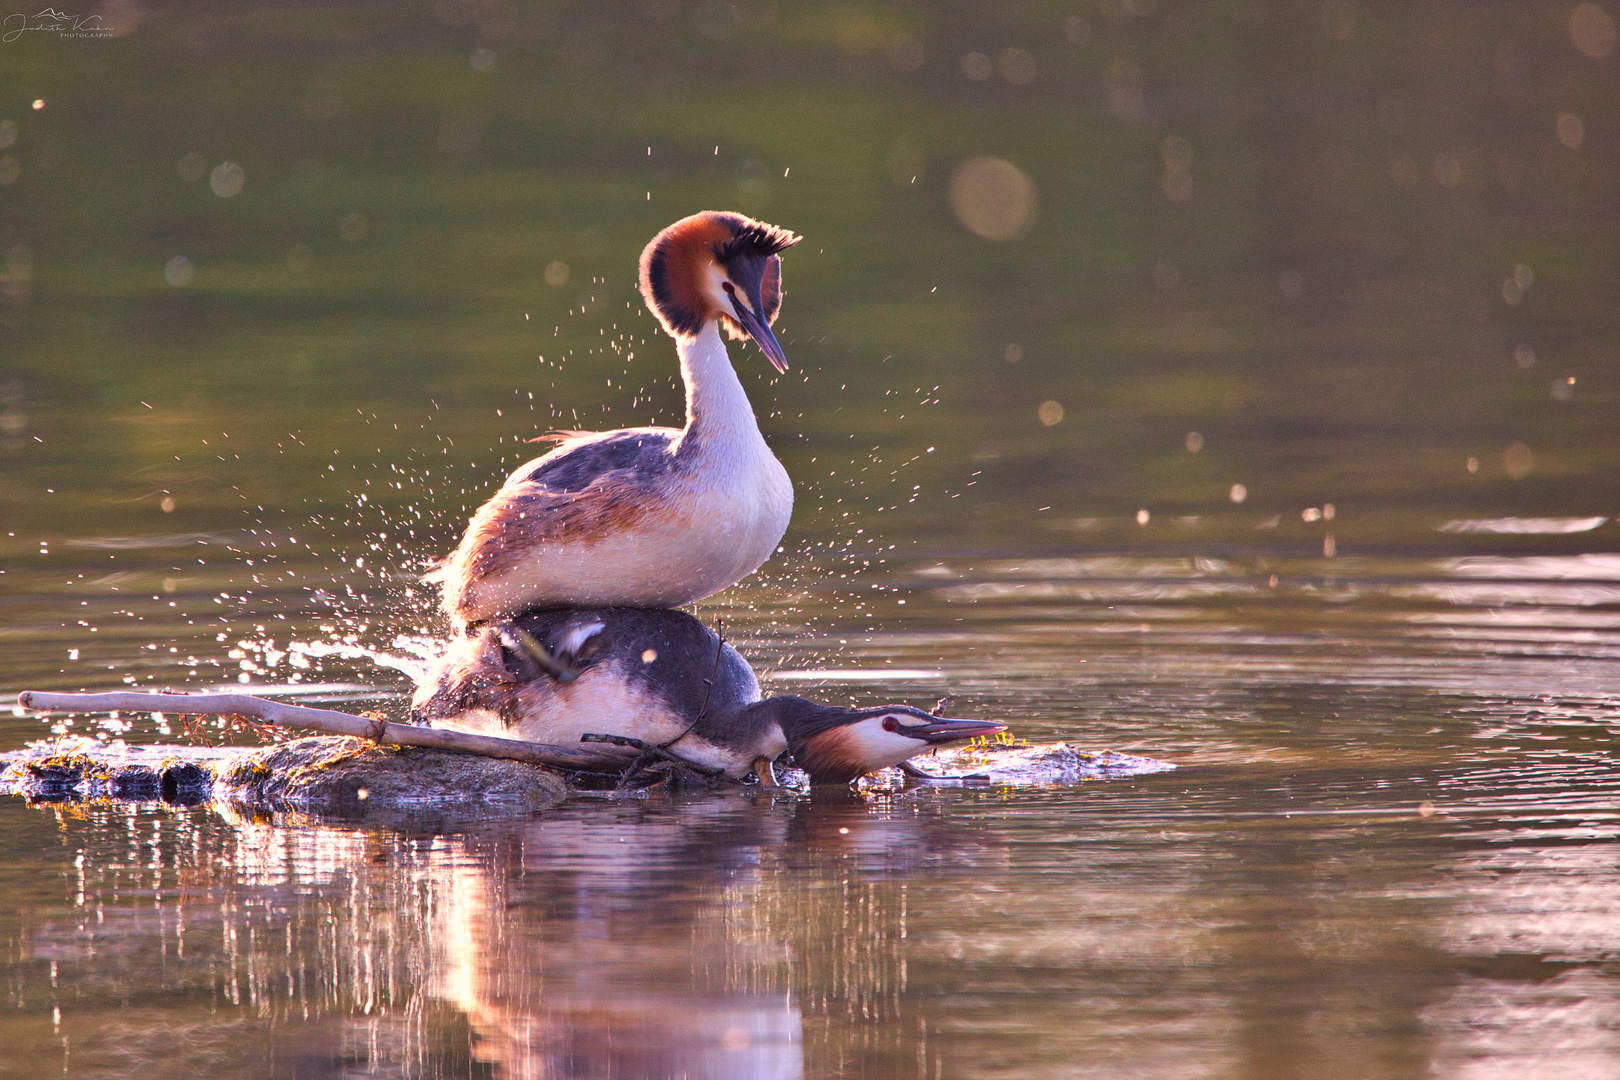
(757, 935)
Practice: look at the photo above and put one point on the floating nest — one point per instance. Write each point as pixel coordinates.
(328, 773)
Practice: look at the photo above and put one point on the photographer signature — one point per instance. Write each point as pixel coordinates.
(51, 19)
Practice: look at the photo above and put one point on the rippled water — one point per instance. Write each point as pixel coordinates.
(1388, 850)
(1270, 431)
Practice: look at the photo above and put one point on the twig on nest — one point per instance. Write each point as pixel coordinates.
(327, 722)
(719, 650)
(648, 750)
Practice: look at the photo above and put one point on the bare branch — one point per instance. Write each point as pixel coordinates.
(327, 722)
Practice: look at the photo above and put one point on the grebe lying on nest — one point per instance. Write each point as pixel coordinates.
(663, 677)
(649, 517)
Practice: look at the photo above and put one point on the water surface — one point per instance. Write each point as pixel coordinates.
(1280, 444)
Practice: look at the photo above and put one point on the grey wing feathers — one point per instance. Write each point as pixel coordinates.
(575, 467)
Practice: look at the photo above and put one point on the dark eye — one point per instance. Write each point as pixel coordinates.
(890, 724)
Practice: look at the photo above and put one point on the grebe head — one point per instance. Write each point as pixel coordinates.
(836, 745)
(718, 265)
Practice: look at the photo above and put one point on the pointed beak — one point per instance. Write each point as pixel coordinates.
(759, 330)
(948, 731)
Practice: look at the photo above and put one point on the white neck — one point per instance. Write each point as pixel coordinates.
(716, 406)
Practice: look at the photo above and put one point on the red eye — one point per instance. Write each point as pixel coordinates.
(890, 724)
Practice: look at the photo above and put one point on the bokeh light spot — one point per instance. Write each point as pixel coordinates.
(1592, 30)
(1050, 413)
(994, 198)
(179, 271)
(1570, 130)
(1447, 170)
(556, 272)
(227, 179)
(977, 66)
(1124, 87)
(1518, 461)
(1194, 442)
(1237, 493)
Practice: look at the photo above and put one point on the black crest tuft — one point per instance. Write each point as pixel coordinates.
(750, 237)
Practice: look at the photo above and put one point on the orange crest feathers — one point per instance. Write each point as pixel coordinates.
(673, 265)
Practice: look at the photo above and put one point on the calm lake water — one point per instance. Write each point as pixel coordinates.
(1230, 383)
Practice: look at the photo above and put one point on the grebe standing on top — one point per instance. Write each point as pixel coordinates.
(649, 517)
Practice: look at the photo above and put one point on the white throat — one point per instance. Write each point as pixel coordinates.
(716, 406)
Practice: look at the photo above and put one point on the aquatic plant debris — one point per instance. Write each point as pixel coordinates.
(317, 773)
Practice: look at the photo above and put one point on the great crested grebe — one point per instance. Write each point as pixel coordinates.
(650, 517)
(663, 677)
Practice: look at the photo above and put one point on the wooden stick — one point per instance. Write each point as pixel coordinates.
(324, 720)
(649, 750)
